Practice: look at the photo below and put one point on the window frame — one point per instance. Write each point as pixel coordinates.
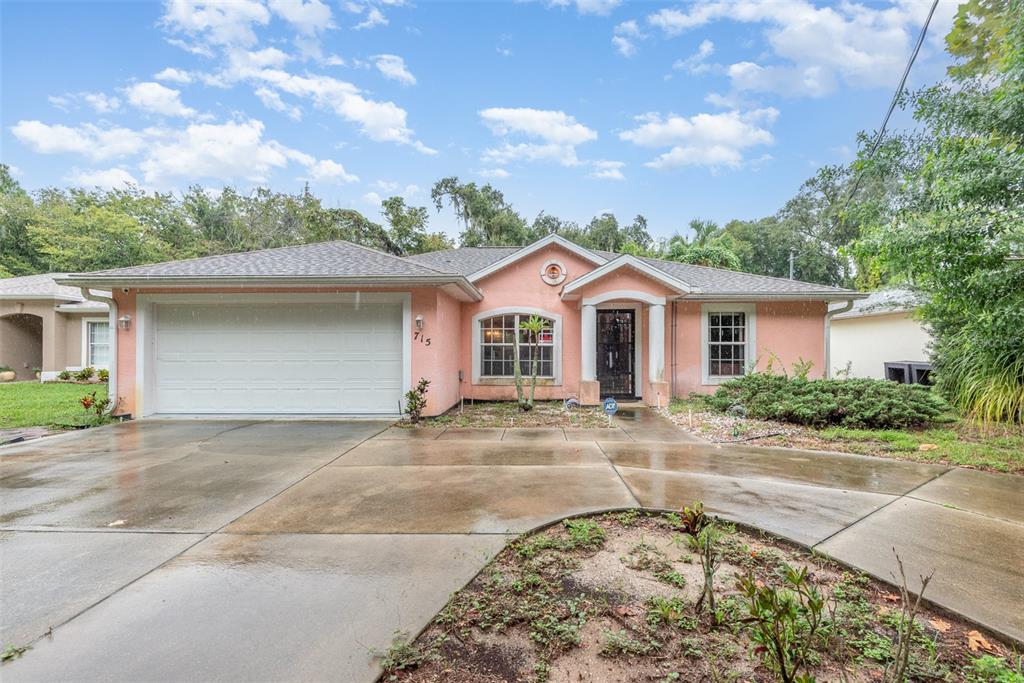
(555, 378)
(87, 342)
(750, 342)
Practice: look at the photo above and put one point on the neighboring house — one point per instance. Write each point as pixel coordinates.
(880, 338)
(50, 326)
(337, 328)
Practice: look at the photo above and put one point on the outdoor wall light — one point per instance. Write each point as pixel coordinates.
(125, 322)
(419, 323)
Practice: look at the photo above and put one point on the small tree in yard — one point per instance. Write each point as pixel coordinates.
(416, 400)
(533, 329)
(703, 538)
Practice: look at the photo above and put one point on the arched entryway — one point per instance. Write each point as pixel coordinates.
(21, 343)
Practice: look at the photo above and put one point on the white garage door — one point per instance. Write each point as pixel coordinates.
(277, 358)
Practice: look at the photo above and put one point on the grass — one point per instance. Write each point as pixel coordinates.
(31, 404)
(954, 441)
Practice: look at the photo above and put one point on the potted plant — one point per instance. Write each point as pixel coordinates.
(6, 374)
(38, 372)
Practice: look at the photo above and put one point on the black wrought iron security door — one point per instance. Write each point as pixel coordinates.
(615, 352)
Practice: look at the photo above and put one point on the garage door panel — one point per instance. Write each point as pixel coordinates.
(278, 358)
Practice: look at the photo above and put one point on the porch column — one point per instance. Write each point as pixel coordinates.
(588, 344)
(656, 343)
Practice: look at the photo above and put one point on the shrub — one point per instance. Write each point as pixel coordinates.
(103, 375)
(416, 400)
(868, 403)
(85, 374)
(64, 375)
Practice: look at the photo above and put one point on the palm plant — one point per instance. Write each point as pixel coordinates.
(533, 328)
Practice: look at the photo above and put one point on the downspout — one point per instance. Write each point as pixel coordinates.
(828, 335)
(112, 313)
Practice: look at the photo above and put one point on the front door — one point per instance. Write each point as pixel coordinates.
(615, 352)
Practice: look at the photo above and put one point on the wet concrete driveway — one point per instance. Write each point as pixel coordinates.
(290, 550)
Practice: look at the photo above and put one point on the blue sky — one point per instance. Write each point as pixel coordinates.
(718, 109)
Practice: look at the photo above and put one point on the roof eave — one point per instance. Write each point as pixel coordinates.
(193, 281)
(773, 296)
(534, 247)
(571, 290)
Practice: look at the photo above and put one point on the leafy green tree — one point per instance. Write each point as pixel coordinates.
(959, 233)
(408, 228)
(17, 257)
(486, 217)
(709, 246)
(980, 37)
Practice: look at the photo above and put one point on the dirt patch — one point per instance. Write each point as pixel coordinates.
(508, 414)
(612, 598)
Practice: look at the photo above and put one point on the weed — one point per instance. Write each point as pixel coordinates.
(11, 652)
(585, 533)
(622, 643)
(703, 538)
(549, 630)
(989, 669)
(627, 517)
(668, 612)
(671, 577)
(403, 655)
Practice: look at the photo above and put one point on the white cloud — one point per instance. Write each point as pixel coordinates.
(100, 102)
(173, 75)
(607, 170)
(327, 170)
(224, 151)
(379, 121)
(625, 36)
(696, 63)
(861, 45)
(271, 99)
(307, 16)
(528, 151)
(391, 188)
(558, 133)
(550, 126)
(374, 17)
(712, 140)
(216, 22)
(87, 140)
(393, 67)
(373, 199)
(157, 99)
(494, 173)
(601, 7)
(110, 178)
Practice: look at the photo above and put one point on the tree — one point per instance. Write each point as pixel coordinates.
(980, 37)
(708, 247)
(486, 217)
(408, 228)
(959, 233)
(531, 330)
(17, 257)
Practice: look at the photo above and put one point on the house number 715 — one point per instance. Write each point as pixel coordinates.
(421, 338)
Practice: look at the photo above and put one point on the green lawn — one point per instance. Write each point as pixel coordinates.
(31, 404)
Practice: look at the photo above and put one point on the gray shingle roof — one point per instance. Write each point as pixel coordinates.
(338, 259)
(717, 281)
(464, 260)
(39, 286)
(711, 281)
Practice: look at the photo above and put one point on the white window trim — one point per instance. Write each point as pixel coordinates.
(638, 336)
(556, 360)
(85, 341)
(145, 310)
(751, 346)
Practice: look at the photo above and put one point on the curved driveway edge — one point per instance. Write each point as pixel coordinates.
(218, 550)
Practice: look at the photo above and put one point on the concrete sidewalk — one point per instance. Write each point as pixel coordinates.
(225, 550)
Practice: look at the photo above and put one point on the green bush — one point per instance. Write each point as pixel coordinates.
(64, 376)
(868, 403)
(103, 375)
(85, 374)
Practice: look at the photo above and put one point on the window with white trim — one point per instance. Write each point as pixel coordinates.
(499, 335)
(727, 344)
(97, 344)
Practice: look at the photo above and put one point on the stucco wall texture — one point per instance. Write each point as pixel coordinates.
(786, 331)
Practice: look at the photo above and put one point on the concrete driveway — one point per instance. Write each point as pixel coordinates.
(290, 550)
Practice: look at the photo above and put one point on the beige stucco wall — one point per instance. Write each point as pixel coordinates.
(868, 342)
(61, 344)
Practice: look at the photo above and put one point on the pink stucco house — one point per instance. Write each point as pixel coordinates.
(336, 328)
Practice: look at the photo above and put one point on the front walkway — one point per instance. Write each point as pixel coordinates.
(204, 550)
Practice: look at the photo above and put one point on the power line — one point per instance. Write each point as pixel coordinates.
(892, 104)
